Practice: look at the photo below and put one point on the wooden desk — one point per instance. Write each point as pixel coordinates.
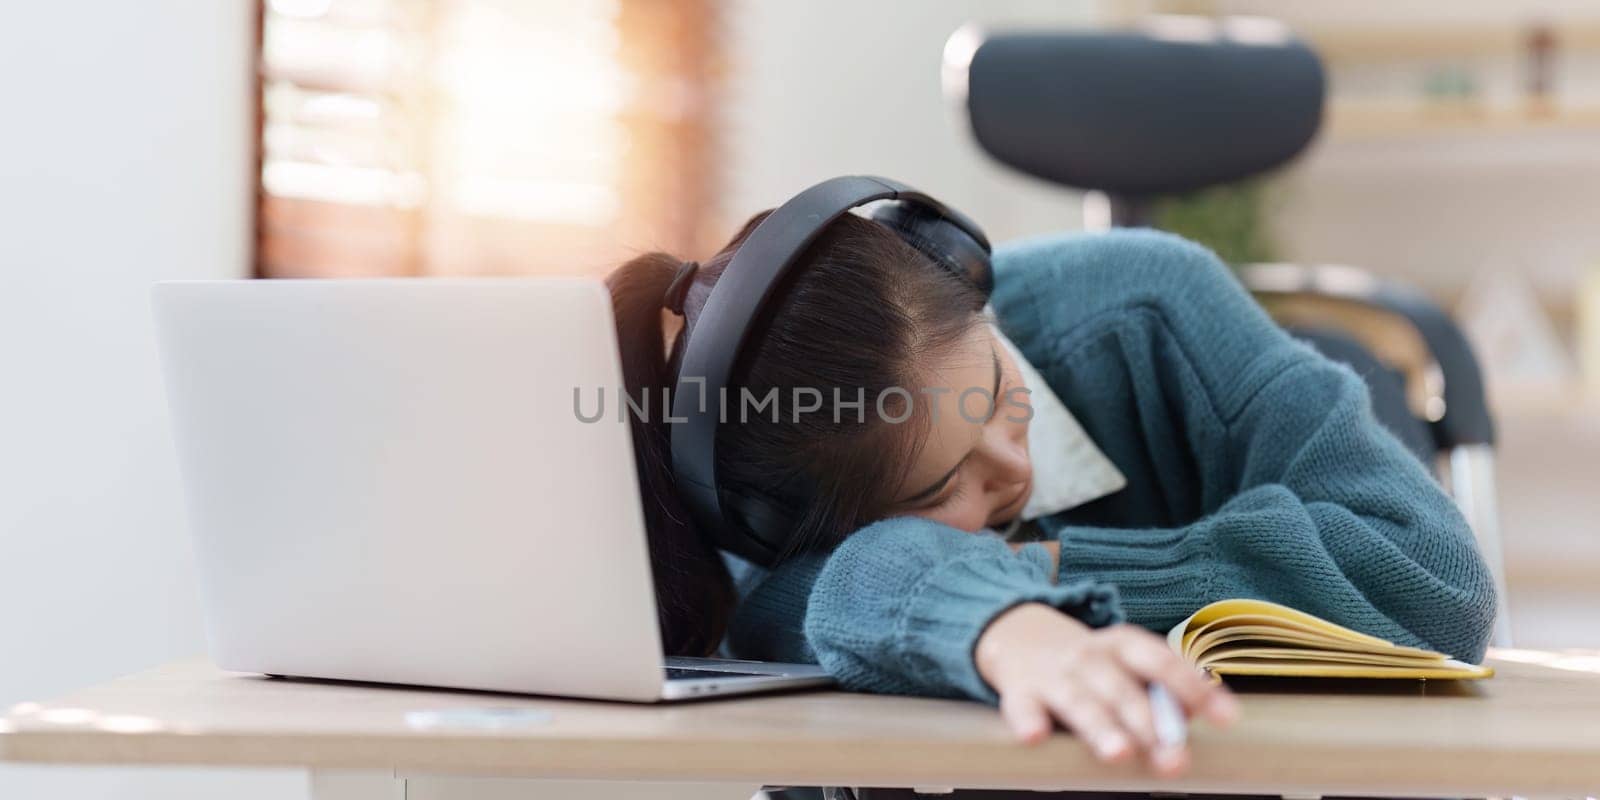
(1532, 730)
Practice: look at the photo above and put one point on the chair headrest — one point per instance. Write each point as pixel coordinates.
(1141, 113)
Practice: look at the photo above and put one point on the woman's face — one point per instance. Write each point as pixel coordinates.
(972, 471)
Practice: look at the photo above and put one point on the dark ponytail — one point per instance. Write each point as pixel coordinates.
(694, 591)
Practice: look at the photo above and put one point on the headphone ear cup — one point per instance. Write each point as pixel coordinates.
(939, 239)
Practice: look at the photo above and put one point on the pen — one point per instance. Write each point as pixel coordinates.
(1172, 729)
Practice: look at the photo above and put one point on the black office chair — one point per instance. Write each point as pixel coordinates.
(1186, 103)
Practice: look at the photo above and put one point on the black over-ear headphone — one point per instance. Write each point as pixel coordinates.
(751, 525)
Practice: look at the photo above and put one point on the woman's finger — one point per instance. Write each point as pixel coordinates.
(1152, 659)
(1027, 716)
(1082, 712)
(1168, 761)
(1120, 691)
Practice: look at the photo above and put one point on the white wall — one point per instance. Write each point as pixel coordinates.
(830, 87)
(123, 160)
(1436, 209)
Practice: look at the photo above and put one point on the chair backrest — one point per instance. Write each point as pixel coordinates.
(1141, 113)
(1387, 386)
(1456, 411)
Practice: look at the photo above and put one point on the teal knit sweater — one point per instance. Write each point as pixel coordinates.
(1255, 469)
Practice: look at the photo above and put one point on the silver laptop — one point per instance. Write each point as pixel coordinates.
(388, 481)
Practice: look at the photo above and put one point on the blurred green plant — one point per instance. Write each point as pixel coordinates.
(1230, 219)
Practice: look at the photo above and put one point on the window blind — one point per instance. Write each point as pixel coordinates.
(440, 137)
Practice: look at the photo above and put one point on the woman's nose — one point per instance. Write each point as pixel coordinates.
(1005, 458)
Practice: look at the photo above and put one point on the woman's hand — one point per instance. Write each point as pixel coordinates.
(1047, 666)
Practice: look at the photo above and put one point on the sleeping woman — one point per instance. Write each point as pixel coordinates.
(1177, 448)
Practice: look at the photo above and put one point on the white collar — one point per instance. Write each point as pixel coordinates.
(1068, 469)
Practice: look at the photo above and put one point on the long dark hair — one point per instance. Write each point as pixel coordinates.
(863, 311)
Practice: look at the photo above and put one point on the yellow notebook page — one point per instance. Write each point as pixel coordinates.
(1216, 636)
(1256, 637)
(1450, 669)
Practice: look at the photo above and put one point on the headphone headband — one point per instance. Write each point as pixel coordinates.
(723, 325)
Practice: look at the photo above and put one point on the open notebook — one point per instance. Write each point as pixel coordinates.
(1255, 637)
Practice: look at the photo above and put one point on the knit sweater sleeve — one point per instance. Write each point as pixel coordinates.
(1303, 498)
(1333, 517)
(898, 607)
